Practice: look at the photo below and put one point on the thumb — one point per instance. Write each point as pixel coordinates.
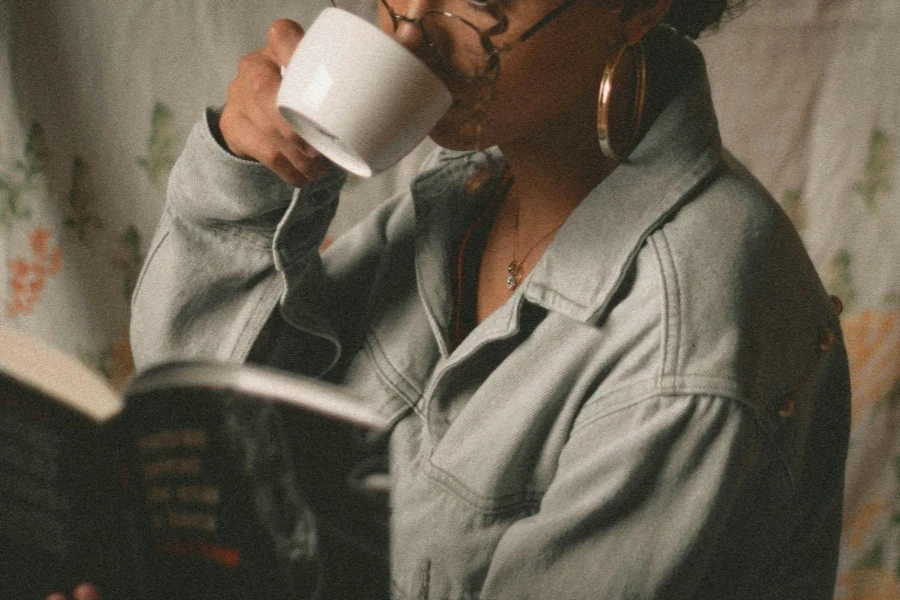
(282, 39)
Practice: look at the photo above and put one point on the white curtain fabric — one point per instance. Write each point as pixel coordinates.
(97, 97)
(808, 94)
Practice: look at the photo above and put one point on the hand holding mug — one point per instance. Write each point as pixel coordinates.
(251, 125)
(358, 95)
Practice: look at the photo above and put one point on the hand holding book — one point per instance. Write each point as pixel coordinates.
(189, 487)
(84, 591)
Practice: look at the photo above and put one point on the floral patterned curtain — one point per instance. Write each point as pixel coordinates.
(808, 94)
(97, 97)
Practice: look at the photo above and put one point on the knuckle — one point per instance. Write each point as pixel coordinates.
(282, 29)
(290, 136)
(258, 85)
(253, 64)
(270, 156)
(234, 88)
(246, 63)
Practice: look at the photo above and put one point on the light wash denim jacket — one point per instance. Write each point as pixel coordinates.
(660, 410)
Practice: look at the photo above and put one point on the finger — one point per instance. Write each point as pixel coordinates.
(268, 125)
(56, 597)
(288, 173)
(258, 84)
(86, 591)
(258, 76)
(259, 141)
(309, 169)
(290, 136)
(298, 172)
(283, 37)
(299, 153)
(271, 116)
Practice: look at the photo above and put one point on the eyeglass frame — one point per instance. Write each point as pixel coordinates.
(484, 35)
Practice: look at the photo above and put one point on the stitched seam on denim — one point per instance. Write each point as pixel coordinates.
(386, 378)
(430, 311)
(153, 251)
(759, 420)
(700, 170)
(675, 323)
(671, 392)
(372, 338)
(742, 405)
(664, 337)
(486, 505)
(666, 386)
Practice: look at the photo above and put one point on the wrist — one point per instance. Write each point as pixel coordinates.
(214, 123)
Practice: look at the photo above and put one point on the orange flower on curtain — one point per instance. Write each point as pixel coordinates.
(867, 584)
(28, 276)
(872, 338)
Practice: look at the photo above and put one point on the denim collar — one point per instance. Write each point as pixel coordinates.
(587, 261)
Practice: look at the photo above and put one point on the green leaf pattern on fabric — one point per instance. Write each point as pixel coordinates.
(878, 557)
(876, 182)
(893, 400)
(840, 279)
(80, 218)
(792, 202)
(130, 259)
(161, 145)
(874, 559)
(22, 179)
(36, 153)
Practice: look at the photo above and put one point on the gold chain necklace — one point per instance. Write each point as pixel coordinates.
(514, 268)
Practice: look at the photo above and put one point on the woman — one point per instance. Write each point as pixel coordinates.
(612, 369)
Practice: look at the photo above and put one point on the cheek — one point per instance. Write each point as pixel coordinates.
(549, 78)
(537, 90)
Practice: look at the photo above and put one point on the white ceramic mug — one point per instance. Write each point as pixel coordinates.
(357, 95)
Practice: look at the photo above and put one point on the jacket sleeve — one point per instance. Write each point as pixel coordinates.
(645, 504)
(216, 269)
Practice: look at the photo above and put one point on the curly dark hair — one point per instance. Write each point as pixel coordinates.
(692, 17)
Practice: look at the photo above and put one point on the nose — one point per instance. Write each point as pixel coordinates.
(410, 35)
(407, 32)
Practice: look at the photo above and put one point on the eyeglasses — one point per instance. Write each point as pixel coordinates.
(458, 34)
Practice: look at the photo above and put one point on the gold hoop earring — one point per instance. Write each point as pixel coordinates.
(618, 145)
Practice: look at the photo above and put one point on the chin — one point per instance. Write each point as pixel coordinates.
(450, 141)
(460, 132)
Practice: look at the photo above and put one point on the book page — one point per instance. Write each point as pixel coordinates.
(57, 375)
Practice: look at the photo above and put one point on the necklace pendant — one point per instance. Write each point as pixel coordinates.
(512, 277)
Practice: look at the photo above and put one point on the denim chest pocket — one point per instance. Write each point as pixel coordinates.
(499, 452)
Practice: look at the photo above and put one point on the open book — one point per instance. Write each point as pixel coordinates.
(200, 480)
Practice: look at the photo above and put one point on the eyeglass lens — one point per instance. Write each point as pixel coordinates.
(451, 30)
